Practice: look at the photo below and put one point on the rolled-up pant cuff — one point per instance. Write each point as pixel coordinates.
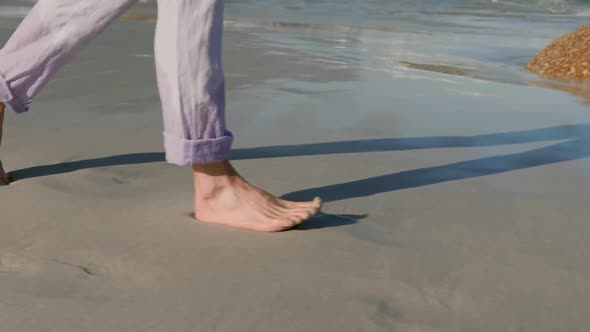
(7, 98)
(182, 152)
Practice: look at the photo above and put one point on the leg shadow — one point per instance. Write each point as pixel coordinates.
(578, 131)
(72, 166)
(570, 150)
(416, 143)
(325, 220)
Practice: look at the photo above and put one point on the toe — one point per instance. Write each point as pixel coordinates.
(284, 224)
(295, 205)
(314, 212)
(298, 221)
(276, 224)
(302, 214)
(291, 222)
(307, 212)
(278, 211)
(317, 203)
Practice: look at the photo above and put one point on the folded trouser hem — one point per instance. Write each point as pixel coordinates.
(7, 98)
(182, 152)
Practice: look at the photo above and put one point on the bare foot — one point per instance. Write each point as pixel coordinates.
(222, 196)
(4, 178)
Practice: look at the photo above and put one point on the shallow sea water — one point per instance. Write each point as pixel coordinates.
(489, 40)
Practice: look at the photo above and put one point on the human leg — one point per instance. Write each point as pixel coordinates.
(192, 91)
(45, 40)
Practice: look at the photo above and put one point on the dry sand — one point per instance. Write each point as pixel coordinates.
(450, 207)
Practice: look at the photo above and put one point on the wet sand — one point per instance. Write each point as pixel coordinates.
(457, 206)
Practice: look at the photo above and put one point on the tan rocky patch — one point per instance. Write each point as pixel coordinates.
(568, 57)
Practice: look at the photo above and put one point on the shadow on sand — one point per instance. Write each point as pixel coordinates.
(574, 143)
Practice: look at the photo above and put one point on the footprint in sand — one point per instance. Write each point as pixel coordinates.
(93, 180)
(10, 263)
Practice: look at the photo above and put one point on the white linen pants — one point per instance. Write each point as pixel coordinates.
(188, 65)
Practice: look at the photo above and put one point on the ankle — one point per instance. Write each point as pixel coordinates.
(211, 180)
(218, 169)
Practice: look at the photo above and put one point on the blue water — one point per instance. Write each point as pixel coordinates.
(481, 39)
